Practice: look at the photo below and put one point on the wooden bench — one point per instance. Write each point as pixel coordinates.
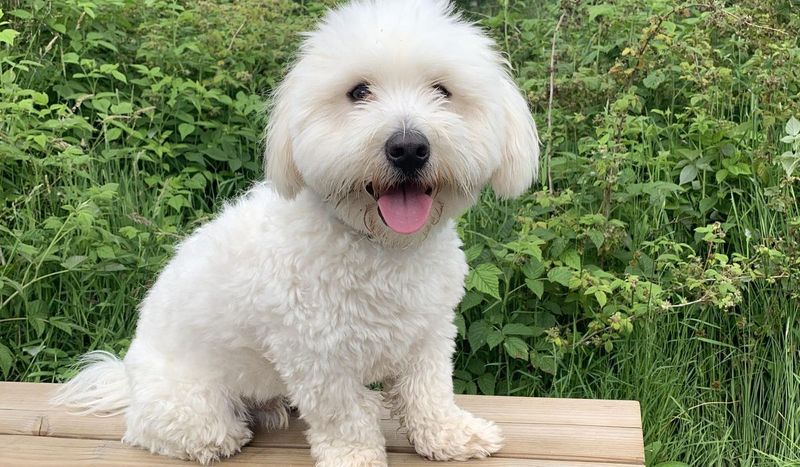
(539, 433)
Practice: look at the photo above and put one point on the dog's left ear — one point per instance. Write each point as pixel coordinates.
(520, 158)
(280, 168)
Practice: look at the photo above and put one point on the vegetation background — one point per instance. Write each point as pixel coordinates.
(655, 260)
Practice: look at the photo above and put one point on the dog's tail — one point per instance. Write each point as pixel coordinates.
(101, 388)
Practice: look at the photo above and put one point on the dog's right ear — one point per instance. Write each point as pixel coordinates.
(520, 163)
(280, 168)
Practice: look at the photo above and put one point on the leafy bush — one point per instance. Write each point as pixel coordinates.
(654, 260)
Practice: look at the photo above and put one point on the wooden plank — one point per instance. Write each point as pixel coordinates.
(582, 412)
(535, 441)
(534, 428)
(33, 451)
(531, 441)
(624, 414)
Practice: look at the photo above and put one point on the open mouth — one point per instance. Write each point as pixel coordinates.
(404, 208)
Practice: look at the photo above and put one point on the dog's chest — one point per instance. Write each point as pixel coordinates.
(370, 311)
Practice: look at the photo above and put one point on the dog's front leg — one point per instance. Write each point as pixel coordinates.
(422, 395)
(343, 418)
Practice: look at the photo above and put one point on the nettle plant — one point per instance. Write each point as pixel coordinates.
(650, 164)
(538, 289)
(790, 160)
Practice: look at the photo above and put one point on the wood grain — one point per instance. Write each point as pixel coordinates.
(538, 432)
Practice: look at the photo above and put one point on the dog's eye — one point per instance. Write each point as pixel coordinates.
(442, 90)
(360, 92)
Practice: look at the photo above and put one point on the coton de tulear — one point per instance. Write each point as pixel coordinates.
(344, 268)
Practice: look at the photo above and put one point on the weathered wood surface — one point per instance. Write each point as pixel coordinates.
(539, 433)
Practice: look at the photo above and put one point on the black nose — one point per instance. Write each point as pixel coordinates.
(409, 151)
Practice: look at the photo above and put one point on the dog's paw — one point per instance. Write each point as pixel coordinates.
(458, 438)
(204, 443)
(344, 456)
(211, 452)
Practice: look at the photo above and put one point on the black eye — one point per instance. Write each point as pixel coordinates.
(442, 90)
(360, 92)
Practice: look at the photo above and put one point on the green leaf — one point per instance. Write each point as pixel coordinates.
(73, 261)
(62, 324)
(40, 98)
(470, 388)
(560, 275)
(651, 451)
(119, 76)
(707, 203)
(177, 202)
(7, 77)
(571, 259)
(654, 79)
(494, 338)
(536, 286)
(105, 252)
(38, 324)
(473, 252)
(461, 326)
(485, 278)
(518, 329)
(101, 104)
(529, 246)
(21, 14)
(129, 231)
(596, 237)
(6, 359)
(122, 108)
(546, 363)
(8, 35)
(41, 140)
(533, 269)
(471, 300)
(478, 331)
(113, 134)
(740, 168)
(33, 350)
(486, 383)
(672, 464)
(793, 127)
(601, 298)
(185, 129)
(789, 162)
(688, 174)
(516, 348)
(601, 10)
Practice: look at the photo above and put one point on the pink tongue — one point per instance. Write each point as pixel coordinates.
(405, 209)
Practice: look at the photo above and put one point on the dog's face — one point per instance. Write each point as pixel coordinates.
(397, 113)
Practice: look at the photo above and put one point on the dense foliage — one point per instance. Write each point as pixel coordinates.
(654, 260)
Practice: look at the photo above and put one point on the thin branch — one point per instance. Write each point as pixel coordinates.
(233, 38)
(742, 20)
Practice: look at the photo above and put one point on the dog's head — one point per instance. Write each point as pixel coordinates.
(397, 113)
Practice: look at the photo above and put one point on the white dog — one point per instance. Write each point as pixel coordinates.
(345, 268)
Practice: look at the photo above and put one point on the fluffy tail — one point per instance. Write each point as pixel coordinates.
(101, 387)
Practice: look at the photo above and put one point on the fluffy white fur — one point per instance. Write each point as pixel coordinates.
(298, 293)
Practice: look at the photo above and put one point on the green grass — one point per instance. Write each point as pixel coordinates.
(661, 269)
